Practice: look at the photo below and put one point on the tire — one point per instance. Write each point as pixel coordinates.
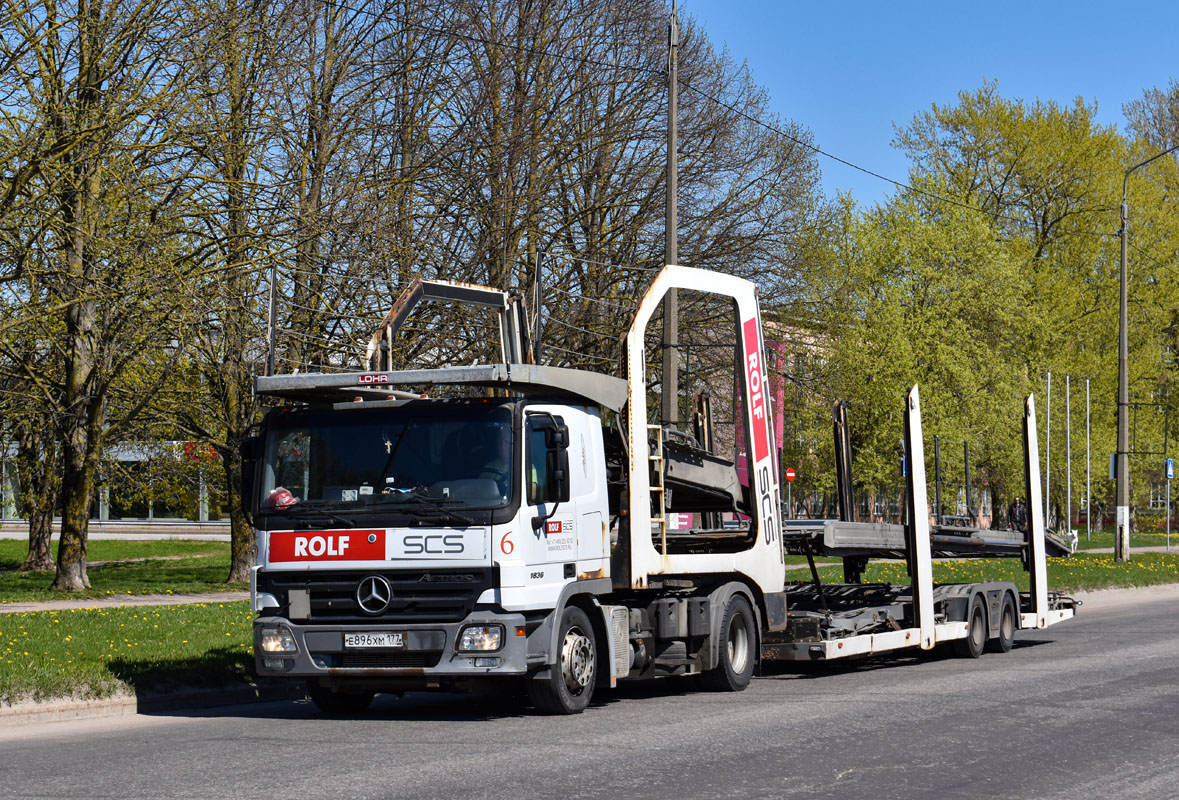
(1006, 638)
(976, 632)
(330, 702)
(736, 649)
(570, 682)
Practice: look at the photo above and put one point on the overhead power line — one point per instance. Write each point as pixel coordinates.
(899, 184)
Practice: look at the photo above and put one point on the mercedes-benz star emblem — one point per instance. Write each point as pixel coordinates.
(373, 594)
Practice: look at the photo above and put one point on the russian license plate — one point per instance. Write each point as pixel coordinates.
(375, 639)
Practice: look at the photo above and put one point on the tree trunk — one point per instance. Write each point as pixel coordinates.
(37, 466)
(40, 557)
(243, 550)
(77, 485)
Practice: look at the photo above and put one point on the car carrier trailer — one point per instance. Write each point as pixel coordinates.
(520, 533)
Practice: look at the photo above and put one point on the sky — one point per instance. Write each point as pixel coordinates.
(849, 70)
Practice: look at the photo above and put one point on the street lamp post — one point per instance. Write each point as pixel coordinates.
(1122, 498)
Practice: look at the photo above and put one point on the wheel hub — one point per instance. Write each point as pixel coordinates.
(577, 661)
(738, 643)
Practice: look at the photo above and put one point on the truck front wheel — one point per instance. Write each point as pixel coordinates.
(735, 649)
(570, 682)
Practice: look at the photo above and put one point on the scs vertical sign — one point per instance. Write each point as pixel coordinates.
(756, 381)
(759, 433)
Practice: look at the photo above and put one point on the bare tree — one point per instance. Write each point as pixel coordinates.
(228, 130)
(97, 85)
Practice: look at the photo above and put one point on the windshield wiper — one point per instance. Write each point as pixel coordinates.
(436, 505)
(446, 513)
(302, 513)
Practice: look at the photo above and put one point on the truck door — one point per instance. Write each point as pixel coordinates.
(557, 536)
(575, 532)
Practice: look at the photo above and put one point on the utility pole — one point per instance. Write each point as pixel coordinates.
(1122, 497)
(537, 305)
(272, 319)
(1088, 487)
(1068, 454)
(1048, 457)
(671, 302)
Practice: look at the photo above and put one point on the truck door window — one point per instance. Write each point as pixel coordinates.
(536, 468)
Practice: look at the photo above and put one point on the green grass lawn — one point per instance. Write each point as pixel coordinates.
(152, 567)
(147, 650)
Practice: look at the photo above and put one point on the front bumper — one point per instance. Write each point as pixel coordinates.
(430, 651)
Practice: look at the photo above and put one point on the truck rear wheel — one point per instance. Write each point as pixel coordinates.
(976, 632)
(331, 702)
(735, 649)
(1006, 638)
(570, 682)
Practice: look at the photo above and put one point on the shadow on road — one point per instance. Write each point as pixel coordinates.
(216, 668)
(287, 701)
(214, 678)
(221, 683)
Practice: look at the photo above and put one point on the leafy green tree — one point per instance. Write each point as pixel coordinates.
(97, 88)
(1046, 178)
(935, 301)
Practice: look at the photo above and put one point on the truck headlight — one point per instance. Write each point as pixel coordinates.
(481, 638)
(277, 639)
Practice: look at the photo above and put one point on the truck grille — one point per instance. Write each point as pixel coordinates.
(387, 660)
(424, 595)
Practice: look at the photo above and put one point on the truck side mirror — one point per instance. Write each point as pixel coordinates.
(558, 470)
(251, 453)
(556, 445)
(556, 455)
(556, 437)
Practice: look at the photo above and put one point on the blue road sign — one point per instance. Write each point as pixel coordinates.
(1170, 468)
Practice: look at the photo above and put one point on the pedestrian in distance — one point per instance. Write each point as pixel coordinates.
(1017, 515)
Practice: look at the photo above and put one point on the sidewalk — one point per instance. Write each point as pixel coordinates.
(1149, 549)
(118, 600)
(131, 530)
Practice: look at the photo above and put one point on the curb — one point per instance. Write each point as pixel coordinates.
(33, 712)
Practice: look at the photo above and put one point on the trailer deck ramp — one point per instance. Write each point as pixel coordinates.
(839, 539)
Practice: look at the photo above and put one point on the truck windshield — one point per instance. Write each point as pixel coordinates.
(450, 457)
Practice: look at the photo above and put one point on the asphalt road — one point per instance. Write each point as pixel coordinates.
(1086, 709)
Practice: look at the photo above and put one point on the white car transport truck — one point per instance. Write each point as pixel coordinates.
(459, 527)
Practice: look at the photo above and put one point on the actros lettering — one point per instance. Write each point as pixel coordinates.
(432, 543)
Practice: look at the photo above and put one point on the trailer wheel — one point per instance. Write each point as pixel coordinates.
(330, 702)
(570, 683)
(735, 649)
(976, 632)
(1002, 643)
